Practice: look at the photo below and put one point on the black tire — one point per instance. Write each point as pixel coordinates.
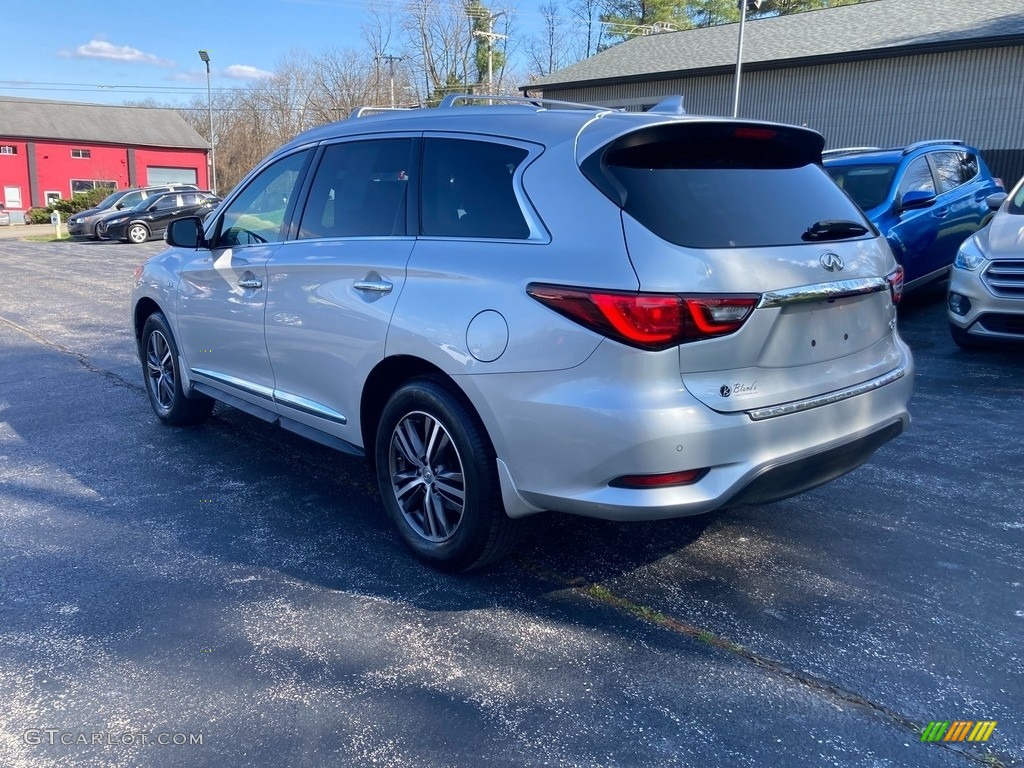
(446, 537)
(962, 338)
(159, 354)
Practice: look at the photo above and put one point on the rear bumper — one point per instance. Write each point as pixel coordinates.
(564, 436)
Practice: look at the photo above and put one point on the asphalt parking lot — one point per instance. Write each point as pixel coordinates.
(237, 586)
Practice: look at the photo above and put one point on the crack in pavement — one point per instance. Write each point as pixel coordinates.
(81, 358)
(602, 594)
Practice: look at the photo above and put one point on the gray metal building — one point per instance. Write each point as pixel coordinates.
(880, 73)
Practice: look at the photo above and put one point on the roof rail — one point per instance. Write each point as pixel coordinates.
(917, 145)
(453, 99)
(369, 111)
(848, 150)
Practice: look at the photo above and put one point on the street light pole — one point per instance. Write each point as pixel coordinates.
(205, 57)
(744, 5)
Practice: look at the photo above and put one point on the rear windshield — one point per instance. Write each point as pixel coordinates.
(868, 185)
(722, 185)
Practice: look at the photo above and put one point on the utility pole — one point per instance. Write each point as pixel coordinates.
(744, 5)
(391, 66)
(491, 36)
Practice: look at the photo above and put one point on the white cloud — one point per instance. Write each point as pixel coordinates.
(101, 49)
(245, 72)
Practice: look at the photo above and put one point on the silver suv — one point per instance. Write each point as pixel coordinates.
(527, 306)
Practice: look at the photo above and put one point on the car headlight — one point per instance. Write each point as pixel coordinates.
(969, 256)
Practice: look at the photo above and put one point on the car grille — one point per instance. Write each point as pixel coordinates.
(1006, 278)
(997, 322)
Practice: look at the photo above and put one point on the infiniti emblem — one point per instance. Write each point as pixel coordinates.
(831, 261)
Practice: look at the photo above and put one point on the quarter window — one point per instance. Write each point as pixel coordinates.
(918, 178)
(257, 214)
(360, 190)
(468, 190)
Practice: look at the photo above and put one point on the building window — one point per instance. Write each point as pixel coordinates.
(51, 197)
(84, 185)
(8, 149)
(81, 153)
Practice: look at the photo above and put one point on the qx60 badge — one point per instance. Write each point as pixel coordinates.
(831, 261)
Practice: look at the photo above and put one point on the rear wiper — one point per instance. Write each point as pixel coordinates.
(834, 230)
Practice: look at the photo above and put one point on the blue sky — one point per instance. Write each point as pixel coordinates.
(111, 51)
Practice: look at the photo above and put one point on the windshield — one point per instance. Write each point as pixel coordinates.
(1016, 205)
(868, 185)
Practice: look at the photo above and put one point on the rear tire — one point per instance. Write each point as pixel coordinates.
(438, 478)
(163, 377)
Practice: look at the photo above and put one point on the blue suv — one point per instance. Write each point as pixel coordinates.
(926, 199)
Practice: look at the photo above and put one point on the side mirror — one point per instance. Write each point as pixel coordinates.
(186, 232)
(914, 200)
(119, 206)
(995, 200)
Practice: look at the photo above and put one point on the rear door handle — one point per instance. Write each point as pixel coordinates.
(250, 282)
(941, 213)
(374, 286)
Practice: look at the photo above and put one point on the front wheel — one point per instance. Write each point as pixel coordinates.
(163, 379)
(137, 233)
(437, 474)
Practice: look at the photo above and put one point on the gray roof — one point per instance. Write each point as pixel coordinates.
(68, 120)
(876, 27)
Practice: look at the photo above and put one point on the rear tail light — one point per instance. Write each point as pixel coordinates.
(895, 280)
(651, 321)
(665, 480)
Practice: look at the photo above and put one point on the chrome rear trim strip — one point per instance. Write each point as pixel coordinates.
(759, 414)
(236, 383)
(823, 291)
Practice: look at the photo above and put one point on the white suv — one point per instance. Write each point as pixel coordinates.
(532, 306)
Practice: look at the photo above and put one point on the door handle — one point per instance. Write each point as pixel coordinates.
(941, 213)
(250, 282)
(375, 286)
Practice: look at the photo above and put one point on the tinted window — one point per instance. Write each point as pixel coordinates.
(918, 178)
(468, 190)
(868, 185)
(359, 190)
(1016, 205)
(723, 186)
(166, 203)
(968, 166)
(257, 214)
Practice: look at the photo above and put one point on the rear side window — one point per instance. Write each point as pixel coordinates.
(359, 190)
(722, 185)
(468, 190)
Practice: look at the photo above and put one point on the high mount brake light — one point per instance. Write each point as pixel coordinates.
(749, 132)
(651, 321)
(895, 280)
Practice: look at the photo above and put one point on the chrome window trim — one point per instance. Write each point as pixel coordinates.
(839, 289)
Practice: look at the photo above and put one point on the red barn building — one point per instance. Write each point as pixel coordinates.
(52, 149)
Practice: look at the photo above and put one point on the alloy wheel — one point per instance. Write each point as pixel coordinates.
(160, 365)
(427, 476)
